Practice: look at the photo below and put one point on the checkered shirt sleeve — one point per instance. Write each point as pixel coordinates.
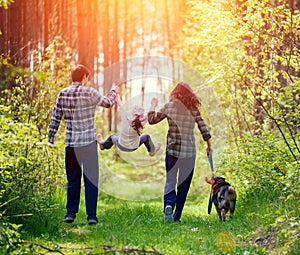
(77, 104)
(180, 137)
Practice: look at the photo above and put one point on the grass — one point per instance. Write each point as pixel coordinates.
(140, 226)
(131, 219)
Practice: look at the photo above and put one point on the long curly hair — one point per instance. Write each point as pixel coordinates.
(185, 94)
(137, 125)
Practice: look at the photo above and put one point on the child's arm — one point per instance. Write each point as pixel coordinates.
(120, 104)
(143, 120)
(121, 107)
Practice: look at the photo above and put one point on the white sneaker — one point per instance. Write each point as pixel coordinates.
(168, 213)
(157, 148)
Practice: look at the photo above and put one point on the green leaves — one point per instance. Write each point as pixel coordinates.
(5, 4)
(28, 169)
(30, 94)
(250, 56)
(263, 172)
(26, 163)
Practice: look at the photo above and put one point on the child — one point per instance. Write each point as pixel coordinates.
(131, 136)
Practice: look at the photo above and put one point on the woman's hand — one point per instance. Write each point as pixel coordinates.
(209, 147)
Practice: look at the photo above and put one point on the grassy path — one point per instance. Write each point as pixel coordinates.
(141, 226)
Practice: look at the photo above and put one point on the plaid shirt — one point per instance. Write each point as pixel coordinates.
(77, 103)
(180, 137)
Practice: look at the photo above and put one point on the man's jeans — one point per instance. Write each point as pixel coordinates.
(183, 169)
(82, 159)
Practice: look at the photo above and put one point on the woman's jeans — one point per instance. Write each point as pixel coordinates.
(82, 159)
(114, 140)
(179, 173)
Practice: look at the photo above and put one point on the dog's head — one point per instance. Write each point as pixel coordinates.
(215, 180)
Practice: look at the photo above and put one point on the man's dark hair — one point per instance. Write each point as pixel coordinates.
(79, 72)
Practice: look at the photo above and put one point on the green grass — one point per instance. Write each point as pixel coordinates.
(141, 225)
(130, 215)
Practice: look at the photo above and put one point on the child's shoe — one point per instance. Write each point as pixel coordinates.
(157, 148)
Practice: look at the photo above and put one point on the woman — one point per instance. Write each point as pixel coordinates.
(181, 113)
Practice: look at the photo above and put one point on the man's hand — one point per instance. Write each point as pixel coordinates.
(115, 88)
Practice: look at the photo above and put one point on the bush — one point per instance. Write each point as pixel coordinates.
(9, 236)
(263, 171)
(31, 94)
(28, 176)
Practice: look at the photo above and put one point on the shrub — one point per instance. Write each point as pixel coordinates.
(28, 174)
(264, 172)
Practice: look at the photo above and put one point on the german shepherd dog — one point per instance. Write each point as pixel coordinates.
(224, 196)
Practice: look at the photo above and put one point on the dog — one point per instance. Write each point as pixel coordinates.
(224, 196)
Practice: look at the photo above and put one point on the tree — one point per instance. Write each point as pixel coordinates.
(250, 53)
(100, 32)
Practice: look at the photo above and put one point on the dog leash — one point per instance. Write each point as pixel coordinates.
(210, 201)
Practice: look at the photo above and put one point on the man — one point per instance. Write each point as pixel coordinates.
(77, 104)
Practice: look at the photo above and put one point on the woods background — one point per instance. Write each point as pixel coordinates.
(99, 32)
(247, 51)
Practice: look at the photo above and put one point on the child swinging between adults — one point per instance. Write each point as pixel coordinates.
(131, 137)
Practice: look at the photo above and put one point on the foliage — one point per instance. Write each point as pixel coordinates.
(249, 54)
(7, 70)
(28, 174)
(9, 235)
(5, 3)
(262, 169)
(29, 92)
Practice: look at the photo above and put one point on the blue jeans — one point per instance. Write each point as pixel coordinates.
(179, 173)
(82, 159)
(114, 140)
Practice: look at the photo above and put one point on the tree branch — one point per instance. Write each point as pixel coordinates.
(5, 203)
(274, 119)
(106, 248)
(39, 245)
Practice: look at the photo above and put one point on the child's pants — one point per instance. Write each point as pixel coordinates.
(114, 140)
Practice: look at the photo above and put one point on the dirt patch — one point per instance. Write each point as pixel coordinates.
(267, 240)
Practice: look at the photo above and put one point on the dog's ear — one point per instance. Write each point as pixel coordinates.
(218, 178)
(209, 181)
